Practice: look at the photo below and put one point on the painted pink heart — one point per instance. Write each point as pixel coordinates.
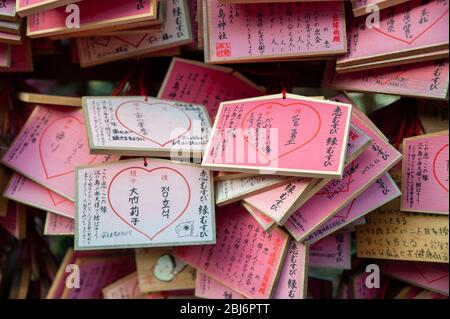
(63, 146)
(147, 185)
(440, 167)
(261, 117)
(153, 121)
(436, 12)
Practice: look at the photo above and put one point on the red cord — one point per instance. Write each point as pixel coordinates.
(400, 133)
(122, 83)
(418, 128)
(284, 94)
(384, 290)
(143, 91)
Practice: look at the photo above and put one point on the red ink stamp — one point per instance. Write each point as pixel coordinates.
(223, 49)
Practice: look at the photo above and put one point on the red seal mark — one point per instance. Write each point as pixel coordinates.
(223, 50)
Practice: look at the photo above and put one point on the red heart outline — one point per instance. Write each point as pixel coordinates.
(41, 156)
(55, 202)
(97, 41)
(348, 210)
(425, 276)
(143, 136)
(150, 171)
(434, 167)
(347, 187)
(417, 36)
(282, 105)
(137, 45)
(389, 79)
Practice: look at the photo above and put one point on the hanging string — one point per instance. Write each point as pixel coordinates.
(283, 88)
(286, 81)
(136, 85)
(275, 75)
(11, 113)
(133, 88)
(418, 127)
(143, 92)
(384, 290)
(142, 88)
(410, 125)
(122, 83)
(400, 133)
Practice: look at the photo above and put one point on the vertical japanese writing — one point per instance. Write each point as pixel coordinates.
(436, 80)
(133, 199)
(332, 141)
(292, 281)
(203, 210)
